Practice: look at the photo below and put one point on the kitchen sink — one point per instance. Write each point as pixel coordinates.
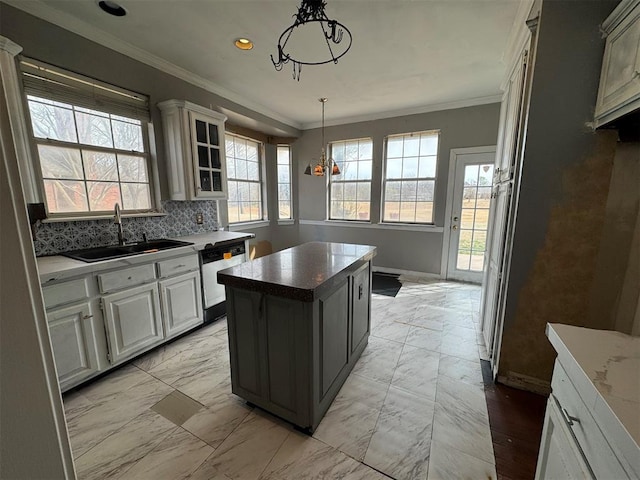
(117, 251)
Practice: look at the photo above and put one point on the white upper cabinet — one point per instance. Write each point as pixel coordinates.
(194, 146)
(619, 91)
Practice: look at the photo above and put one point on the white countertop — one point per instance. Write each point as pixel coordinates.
(604, 366)
(201, 239)
(58, 267)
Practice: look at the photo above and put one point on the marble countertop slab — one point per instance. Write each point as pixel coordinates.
(298, 272)
(604, 366)
(58, 267)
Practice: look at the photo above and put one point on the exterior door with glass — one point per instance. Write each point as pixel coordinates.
(473, 177)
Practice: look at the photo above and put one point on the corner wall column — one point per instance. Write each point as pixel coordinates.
(34, 441)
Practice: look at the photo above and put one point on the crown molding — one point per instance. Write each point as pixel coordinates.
(79, 27)
(7, 45)
(517, 38)
(436, 107)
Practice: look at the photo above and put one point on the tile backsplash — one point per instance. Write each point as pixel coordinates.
(180, 219)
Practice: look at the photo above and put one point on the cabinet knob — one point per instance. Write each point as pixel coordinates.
(636, 74)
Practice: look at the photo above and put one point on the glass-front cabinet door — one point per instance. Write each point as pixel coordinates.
(207, 140)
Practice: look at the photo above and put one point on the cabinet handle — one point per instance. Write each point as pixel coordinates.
(128, 278)
(87, 317)
(180, 266)
(636, 74)
(359, 292)
(568, 418)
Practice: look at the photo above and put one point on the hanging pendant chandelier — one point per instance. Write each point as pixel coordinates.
(323, 164)
(312, 24)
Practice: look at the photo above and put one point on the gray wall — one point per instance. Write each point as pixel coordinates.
(33, 437)
(564, 186)
(419, 251)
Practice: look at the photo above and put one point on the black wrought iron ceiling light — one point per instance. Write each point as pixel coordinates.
(311, 22)
(321, 167)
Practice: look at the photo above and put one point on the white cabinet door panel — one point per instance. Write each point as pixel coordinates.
(133, 321)
(72, 338)
(181, 301)
(620, 79)
(560, 457)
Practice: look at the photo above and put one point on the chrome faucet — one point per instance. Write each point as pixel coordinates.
(117, 219)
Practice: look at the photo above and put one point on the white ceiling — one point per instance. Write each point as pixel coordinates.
(407, 56)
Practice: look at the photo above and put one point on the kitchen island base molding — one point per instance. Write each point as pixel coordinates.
(291, 356)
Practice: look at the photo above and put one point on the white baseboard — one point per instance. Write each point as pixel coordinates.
(398, 271)
(525, 382)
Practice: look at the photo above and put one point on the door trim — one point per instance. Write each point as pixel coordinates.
(453, 159)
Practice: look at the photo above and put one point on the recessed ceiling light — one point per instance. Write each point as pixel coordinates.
(243, 43)
(112, 8)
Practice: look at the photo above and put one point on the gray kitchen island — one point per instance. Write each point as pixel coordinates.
(298, 321)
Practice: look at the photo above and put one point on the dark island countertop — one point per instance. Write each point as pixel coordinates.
(298, 272)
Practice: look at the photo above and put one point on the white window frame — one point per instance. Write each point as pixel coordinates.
(113, 101)
(288, 184)
(260, 182)
(335, 180)
(418, 178)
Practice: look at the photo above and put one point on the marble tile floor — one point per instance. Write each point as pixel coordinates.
(413, 407)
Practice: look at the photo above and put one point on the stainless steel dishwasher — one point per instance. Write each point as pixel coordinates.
(213, 259)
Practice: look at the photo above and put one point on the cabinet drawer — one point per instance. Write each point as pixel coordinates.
(67, 292)
(601, 457)
(127, 277)
(174, 266)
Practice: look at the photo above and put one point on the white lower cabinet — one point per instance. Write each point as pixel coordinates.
(573, 445)
(73, 339)
(181, 301)
(101, 319)
(133, 320)
(560, 456)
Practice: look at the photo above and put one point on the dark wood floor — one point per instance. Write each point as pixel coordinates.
(516, 419)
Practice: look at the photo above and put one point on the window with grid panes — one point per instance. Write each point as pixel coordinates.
(91, 144)
(284, 182)
(244, 179)
(350, 192)
(410, 177)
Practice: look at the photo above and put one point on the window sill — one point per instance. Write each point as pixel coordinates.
(101, 217)
(234, 227)
(287, 221)
(380, 226)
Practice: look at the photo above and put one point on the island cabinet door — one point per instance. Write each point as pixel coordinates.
(244, 311)
(287, 354)
(361, 305)
(334, 336)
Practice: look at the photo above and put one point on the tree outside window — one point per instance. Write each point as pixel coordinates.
(350, 192)
(89, 159)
